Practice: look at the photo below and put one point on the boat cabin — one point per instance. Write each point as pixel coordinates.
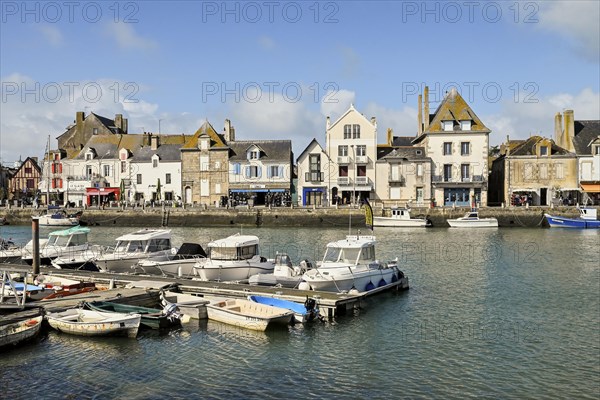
(588, 213)
(233, 248)
(354, 250)
(145, 241)
(471, 215)
(400, 213)
(76, 236)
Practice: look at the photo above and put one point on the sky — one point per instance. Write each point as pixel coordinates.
(278, 69)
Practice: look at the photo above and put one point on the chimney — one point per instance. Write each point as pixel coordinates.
(79, 117)
(569, 132)
(507, 149)
(426, 110)
(390, 136)
(373, 121)
(119, 122)
(229, 131)
(558, 129)
(328, 122)
(125, 126)
(420, 116)
(154, 142)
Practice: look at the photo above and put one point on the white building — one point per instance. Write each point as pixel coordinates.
(314, 175)
(585, 136)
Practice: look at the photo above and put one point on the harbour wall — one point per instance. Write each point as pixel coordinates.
(290, 217)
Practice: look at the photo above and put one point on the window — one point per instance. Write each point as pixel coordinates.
(596, 150)
(204, 144)
(273, 171)
(167, 178)
(237, 168)
(447, 148)
(88, 156)
(361, 150)
(30, 183)
(315, 163)
(448, 126)
(361, 170)
(253, 171)
(343, 171)
(464, 172)
(343, 151)
(356, 131)
(447, 172)
(560, 172)
(95, 131)
(204, 163)
(543, 151)
(106, 170)
(418, 152)
(465, 148)
(139, 179)
(543, 171)
(123, 167)
(528, 172)
(419, 169)
(28, 170)
(217, 188)
(154, 163)
(465, 125)
(88, 171)
(254, 155)
(169, 196)
(347, 131)
(217, 165)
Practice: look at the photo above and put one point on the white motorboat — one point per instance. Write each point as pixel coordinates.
(400, 217)
(59, 218)
(351, 264)
(284, 274)
(152, 244)
(247, 314)
(64, 243)
(83, 322)
(472, 220)
(234, 258)
(180, 265)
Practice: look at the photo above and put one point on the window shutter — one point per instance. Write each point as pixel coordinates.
(53, 184)
(60, 168)
(60, 183)
(280, 171)
(259, 171)
(247, 172)
(269, 174)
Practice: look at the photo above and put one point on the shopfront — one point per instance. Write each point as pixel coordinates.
(101, 196)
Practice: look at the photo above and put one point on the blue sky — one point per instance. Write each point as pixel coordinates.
(180, 62)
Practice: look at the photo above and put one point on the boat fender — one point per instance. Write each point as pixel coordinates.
(382, 282)
(394, 277)
(369, 286)
(304, 286)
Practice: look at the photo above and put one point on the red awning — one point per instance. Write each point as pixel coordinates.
(591, 187)
(102, 192)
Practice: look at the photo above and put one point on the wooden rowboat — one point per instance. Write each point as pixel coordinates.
(247, 314)
(151, 317)
(20, 326)
(83, 322)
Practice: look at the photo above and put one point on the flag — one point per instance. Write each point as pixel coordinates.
(368, 215)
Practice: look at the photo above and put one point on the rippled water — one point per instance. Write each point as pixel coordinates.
(500, 313)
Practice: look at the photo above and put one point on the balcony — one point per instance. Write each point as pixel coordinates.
(313, 176)
(466, 180)
(343, 160)
(362, 181)
(343, 181)
(397, 180)
(361, 160)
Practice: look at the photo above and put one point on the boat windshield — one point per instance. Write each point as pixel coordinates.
(159, 245)
(56, 240)
(337, 254)
(332, 254)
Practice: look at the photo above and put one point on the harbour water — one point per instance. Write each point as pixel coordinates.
(491, 313)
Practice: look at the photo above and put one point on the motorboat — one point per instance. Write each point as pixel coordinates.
(587, 220)
(187, 304)
(180, 265)
(306, 312)
(472, 220)
(284, 274)
(78, 321)
(84, 260)
(10, 253)
(152, 244)
(400, 217)
(350, 264)
(66, 243)
(234, 258)
(20, 326)
(59, 218)
(247, 314)
(152, 318)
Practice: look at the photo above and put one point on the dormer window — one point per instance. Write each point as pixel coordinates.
(155, 159)
(95, 131)
(254, 155)
(447, 126)
(465, 125)
(543, 151)
(596, 151)
(204, 143)
(89, 156)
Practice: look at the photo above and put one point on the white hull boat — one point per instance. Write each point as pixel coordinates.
(235, 258)
(146, 244)
(400, 218)
(284, 273)
(350, 264)
(472, 220)
(94, 323)
(187, 304)
(180, 265)
(10, 253)
(20, 326)
(58, 218)
(64, 243)
(247, 314)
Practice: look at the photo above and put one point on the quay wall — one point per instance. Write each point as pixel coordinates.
(294, 217)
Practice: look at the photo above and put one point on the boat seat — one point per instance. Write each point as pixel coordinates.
(234, 308)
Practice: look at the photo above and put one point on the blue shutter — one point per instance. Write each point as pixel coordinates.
(259, 171)
(269, 175)
(236, 168)
(247, 172)
(281, 171)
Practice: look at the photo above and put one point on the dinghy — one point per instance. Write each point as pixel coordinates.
(247, 314)
(78, 321)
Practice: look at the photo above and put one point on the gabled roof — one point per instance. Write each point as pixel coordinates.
(108, 146)
(527, 148)
(402, 141)
(312, 143)
(274, 150)
(207, 129)
(454, 108)
(107, 122)
(585, 133)
(12, 172)
(385, 152)
(350, 109)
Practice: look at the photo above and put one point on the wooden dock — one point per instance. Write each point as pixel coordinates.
(330, 304)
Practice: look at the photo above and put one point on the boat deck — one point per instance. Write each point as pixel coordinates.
(146, 291)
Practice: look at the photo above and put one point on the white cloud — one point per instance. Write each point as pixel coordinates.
(127, 38)
(52, 34)
(266, 42)
(403, 122)
(578, 21)
(335, 103)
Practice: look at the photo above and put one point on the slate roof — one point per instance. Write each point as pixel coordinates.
(527, 148)
(402, 140)
(314, 141)
(453, 107)
(585, 132)
(406, 152)
(108, 146)
(273, 150)
(217, 140)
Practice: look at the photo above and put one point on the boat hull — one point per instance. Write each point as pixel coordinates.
(343, 280)
(93, 323)
(576, 223)
(126, 263)
(246, 314)
(150, 317)
(480, 223)
(192, 306)
(274, 280)
(175, 268)
(400, 223)
(231, 271)
(20, 326)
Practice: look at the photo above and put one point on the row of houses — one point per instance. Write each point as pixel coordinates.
(446, 163)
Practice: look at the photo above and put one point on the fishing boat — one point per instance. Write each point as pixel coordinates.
(284, 274)
(59, 218)
(472, 220)
(153, 244)
(20, 326)
(66, 243)
(187, 304)
(180, 265)
(351, 264)
(152, 318)
(234, 258)
(306, 312)
(587, 220)
(78, 321)
(247, 314)
(400, 217)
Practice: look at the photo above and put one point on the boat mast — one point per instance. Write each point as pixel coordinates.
(48, 172)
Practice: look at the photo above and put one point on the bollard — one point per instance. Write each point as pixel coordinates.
(35, 236)
(179, 272)
(111, 284)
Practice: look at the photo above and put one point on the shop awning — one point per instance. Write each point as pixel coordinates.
(591, 187)
(102, 192)
(256, 190)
